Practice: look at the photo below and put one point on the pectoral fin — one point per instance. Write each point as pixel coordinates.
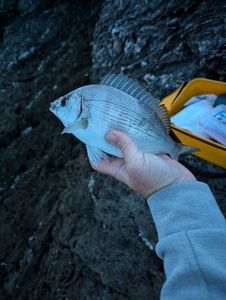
(95, 155)
(73, 126)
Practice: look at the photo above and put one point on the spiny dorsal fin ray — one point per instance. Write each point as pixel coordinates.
(131, 87)
(164, 116)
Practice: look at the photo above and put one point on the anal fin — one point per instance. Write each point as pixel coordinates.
(96, 155)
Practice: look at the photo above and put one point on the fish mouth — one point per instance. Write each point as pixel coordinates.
(52, 107)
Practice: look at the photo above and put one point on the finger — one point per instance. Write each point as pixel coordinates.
(124, 142)
(114, 167)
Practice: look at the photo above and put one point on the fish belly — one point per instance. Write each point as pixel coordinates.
(91, 137)
(94, 137)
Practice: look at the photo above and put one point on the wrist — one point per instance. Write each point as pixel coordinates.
(183, 177)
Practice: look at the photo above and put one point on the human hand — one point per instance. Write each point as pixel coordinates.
(145, 173)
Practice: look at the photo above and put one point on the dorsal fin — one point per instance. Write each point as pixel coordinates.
(163, 115)
(131, 87)
(134, 89)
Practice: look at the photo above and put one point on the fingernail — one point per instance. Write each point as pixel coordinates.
(111, 138)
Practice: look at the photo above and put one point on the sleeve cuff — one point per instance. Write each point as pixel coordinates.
(185, 206)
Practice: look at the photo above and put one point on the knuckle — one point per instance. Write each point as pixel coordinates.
(118, 173)
(140, 155)
(132, 169)
(124, 146)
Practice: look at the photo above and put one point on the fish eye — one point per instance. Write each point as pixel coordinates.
(63, 102)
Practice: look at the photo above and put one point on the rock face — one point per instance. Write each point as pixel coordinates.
(161, 43)
(68, 232)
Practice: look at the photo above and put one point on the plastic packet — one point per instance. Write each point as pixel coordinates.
(210, 98)
(188, 118)
(213, 123)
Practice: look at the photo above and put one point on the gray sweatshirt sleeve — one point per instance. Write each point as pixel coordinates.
(192, 241)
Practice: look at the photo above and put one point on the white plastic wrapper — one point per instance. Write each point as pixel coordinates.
(210, 98)
(189, 117)
(214, 123)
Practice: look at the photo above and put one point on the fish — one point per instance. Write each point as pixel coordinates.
(117, 102)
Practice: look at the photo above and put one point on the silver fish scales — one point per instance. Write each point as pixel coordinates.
(118, 102)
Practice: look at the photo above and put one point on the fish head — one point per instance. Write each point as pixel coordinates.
(67, 108)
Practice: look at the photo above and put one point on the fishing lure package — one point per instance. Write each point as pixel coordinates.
(211, 143)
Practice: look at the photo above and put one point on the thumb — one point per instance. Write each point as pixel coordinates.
(124, 142)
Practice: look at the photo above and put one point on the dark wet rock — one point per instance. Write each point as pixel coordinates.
(68, 232)
(7, 7)
(161, 43)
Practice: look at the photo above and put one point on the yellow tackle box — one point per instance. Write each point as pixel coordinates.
(208, 149)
